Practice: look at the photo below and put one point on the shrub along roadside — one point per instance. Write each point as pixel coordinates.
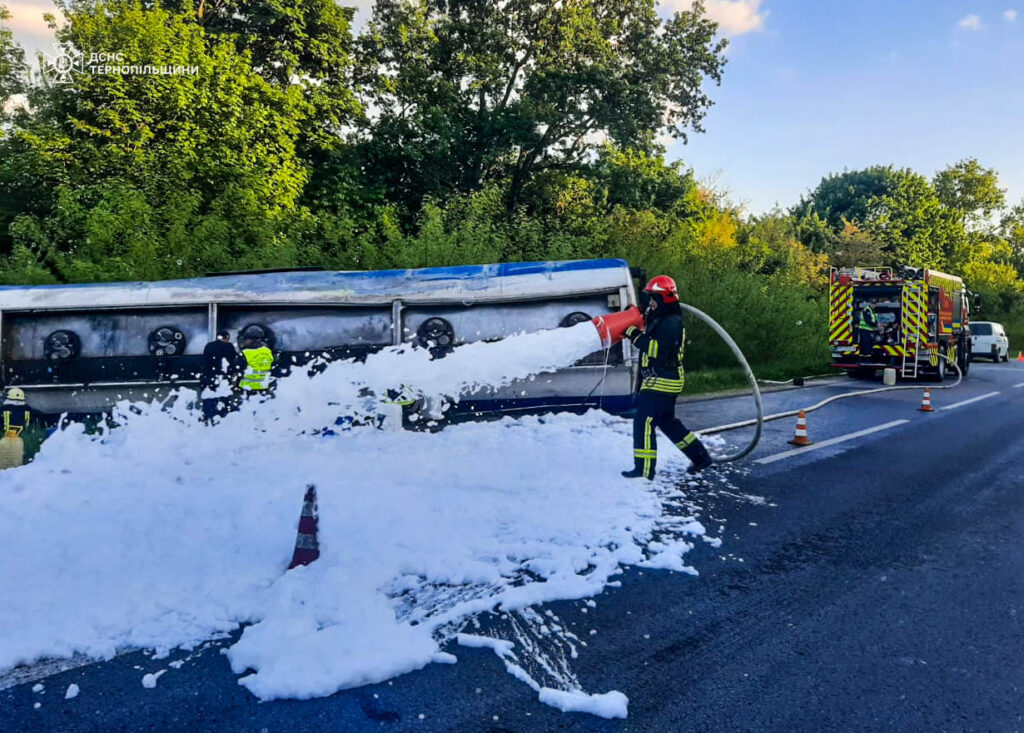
(751, 275)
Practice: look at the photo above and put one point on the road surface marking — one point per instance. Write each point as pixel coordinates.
(967, 402)
(830, 441)
(1018, 386)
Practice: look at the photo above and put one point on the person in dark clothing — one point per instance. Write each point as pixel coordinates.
(661, 345)
(219, 371)
(867, 326)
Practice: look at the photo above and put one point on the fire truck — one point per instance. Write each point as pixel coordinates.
(922, 315)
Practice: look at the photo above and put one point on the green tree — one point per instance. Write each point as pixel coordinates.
(912, 225)
(141, 175)
(303, 43)
(853, 247)
(813, 231)
(768, 245)
(898, 208)
(848, 196)
(1011, 228)
(13, 74)
(970, 190)
(12, 62)
(996, 280)
(637, 179)
(470, 91)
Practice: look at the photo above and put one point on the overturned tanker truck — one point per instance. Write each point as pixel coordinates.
(81, 348)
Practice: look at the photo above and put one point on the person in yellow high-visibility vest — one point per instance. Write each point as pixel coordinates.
(257, 362)
(867, 330)
(16, 416)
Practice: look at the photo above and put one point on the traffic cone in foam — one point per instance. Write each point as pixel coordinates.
(926, 401)
(307, 548)
(801, 438)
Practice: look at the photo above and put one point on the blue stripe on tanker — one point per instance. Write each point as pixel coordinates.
(372, 282)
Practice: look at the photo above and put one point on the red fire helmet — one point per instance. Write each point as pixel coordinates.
(664, 286)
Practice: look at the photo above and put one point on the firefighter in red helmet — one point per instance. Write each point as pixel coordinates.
(661, 344)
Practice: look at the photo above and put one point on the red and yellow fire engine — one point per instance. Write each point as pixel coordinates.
(920, 316)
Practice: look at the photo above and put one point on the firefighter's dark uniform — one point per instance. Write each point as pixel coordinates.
(661, 349)
(219, 366)
(866, 327)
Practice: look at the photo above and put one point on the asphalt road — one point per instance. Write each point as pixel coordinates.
(879, 586)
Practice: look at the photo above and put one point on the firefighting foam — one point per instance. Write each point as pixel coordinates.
(355, 388)
(164, 532)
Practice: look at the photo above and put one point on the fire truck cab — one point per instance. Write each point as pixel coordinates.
(922, 319)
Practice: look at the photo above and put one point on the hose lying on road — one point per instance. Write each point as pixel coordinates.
(794, 379)
(761, 418)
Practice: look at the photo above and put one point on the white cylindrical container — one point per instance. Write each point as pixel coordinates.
(391, 414)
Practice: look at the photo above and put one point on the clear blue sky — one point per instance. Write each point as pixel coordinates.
(822, 86)
(817, 86)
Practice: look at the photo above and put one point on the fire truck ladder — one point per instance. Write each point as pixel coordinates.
(910, 312)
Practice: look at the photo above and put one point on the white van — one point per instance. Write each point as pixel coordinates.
(988, 339)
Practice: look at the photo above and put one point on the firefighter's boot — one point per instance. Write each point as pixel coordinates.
(639, 471)
(698, 455)
(643, 466)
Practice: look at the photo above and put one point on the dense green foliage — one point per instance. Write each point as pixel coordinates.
(135, 176)
(447, 132)
(957, 222)
(469, 92)
(12, 63)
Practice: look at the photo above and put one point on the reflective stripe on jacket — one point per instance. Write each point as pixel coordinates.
(661, 355)
(258, 363)
(868, 321)
(16, 419)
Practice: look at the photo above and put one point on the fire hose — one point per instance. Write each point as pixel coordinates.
(761, 419)
(757, 422)
(612, 328)
(610, 331)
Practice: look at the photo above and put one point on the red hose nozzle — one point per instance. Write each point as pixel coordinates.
(612, 327)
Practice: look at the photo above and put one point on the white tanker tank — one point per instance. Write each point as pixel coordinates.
(81, 348)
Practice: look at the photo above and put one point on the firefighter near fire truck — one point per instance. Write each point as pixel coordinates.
(867, 325)
(916, 321)
(661, 344)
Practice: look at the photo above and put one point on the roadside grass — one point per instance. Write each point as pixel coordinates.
(34, 435)
(714, 380)
(1015, 334)
(709, 381)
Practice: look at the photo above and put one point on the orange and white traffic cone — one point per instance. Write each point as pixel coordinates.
(307, 548)
(926, 401)
(801, 431)
(1020, 356)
